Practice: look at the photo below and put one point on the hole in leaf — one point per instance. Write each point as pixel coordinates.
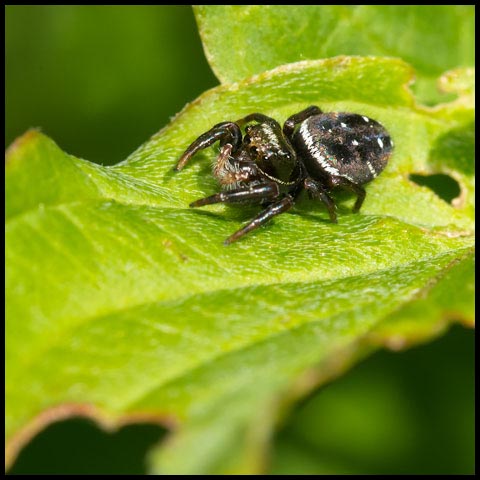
(79, 446)
(444, 186)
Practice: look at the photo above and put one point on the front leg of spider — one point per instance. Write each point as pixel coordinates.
(265, 191)
(228, 133)
(286, 203)
(254, 194)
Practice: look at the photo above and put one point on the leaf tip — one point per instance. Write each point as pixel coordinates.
(29, 136)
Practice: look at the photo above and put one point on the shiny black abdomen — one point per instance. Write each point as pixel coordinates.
(346, 145)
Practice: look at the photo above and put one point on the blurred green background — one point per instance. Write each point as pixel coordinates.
(100, 81)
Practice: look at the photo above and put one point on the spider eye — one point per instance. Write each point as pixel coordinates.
(253, 149)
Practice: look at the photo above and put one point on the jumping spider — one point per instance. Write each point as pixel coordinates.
(271, 166)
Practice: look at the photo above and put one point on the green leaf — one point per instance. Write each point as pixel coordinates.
(122, 303)
(242, 40)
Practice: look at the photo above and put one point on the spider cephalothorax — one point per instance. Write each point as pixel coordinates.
(270, 166)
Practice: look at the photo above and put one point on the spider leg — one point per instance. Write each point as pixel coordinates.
(292, 121)
(260, 118)
(263, 217)
(226, 132)
(357, 190)
(318, 191)
(265, 191)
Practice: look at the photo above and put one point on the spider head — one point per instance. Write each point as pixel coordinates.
(270, 150)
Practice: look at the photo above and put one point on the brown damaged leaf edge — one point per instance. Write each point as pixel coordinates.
(29, 136)
(58, 413)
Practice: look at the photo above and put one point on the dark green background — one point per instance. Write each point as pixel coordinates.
(100, 81)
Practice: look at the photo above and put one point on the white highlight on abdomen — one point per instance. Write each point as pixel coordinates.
(314, 151)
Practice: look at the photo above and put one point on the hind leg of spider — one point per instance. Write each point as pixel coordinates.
(265, 191)
(226, 132)
(316, 190)
(358, 190)
(263, 217)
